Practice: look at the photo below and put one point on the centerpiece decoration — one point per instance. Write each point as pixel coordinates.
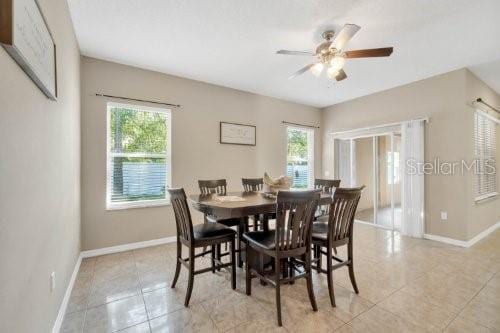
(271, 185)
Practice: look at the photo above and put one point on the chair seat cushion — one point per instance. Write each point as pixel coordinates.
(226, 222)
(211, 230)
(264, 239)
(320, 230)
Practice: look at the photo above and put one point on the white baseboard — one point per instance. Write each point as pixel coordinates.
(98, 252)
(462, 243)
(64, 304)
(483, 234)
(373, 224)
(446, 240)
(127, 247)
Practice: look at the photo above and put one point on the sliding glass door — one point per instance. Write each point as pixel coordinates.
(300, 156)
(363, 163)
(373, 161)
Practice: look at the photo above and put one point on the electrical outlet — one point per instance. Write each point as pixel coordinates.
(327, 173)
(52, 281)
(444, 216)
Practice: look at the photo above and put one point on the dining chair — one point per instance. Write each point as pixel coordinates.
(290, 239)
(255, 185)
(252, 184)
(219, 187)
(336, 231)
(201, 235)
(326, 186)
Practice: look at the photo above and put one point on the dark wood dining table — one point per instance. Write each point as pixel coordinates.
(252, 203)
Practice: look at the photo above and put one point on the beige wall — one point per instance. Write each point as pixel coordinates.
(442, 99)
(196, 152)
(482, 214)
(39, 183)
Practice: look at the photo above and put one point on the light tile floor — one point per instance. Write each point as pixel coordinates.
(406, 285)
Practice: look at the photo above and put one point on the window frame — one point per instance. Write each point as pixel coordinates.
(310, 152)
(478, 197)
(168, 158)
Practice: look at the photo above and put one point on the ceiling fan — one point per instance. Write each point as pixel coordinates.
(331, 54)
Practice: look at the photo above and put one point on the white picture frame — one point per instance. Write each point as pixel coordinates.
(238, 134)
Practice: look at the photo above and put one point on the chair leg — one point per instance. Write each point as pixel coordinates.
(278, 295)
(248, 273)
(191, 277)
(291, 269)
(177, 264)
(315, 253)
(351, 267)
(261, 269)
(319, 263)
(233, 264)
(310, 289)
(240, 228)
(218, 254)
(213, 258)
(205, 220)
(329, 275)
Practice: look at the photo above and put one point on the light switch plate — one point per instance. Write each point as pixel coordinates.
(444, 216)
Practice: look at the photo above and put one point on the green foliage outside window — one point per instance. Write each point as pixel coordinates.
(135, 131)
(297, 145)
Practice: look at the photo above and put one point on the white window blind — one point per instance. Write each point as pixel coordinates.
(485, 151)
(139, 163)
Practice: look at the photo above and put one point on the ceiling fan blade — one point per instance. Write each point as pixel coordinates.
(348, 31)
(301, 71)
(367, 53)
(341, 75)
(298, 53)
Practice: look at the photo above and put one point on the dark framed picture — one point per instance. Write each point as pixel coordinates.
(25, 35)
(238, 134)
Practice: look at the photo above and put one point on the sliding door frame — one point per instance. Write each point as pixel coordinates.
(390, 132)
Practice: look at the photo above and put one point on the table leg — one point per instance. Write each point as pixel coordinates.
(265, 222)
(241, 227)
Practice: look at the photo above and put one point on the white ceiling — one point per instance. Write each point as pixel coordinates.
(233, 42)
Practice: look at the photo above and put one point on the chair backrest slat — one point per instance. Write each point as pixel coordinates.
(183, 220)
(252, 184)
(342, 211)
(294, 216)
(218, 186)
(326, 185)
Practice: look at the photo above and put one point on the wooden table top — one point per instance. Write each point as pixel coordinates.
(253, 203)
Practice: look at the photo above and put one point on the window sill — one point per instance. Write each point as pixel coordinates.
(485, 197)
(137, 204)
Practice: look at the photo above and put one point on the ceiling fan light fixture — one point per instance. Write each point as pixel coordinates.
(317, 69)
(331, 55)
(337, 63)
(332, 72)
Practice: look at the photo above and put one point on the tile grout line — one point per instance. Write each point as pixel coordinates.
(472, 298)
(87, 303)
(141, 292)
